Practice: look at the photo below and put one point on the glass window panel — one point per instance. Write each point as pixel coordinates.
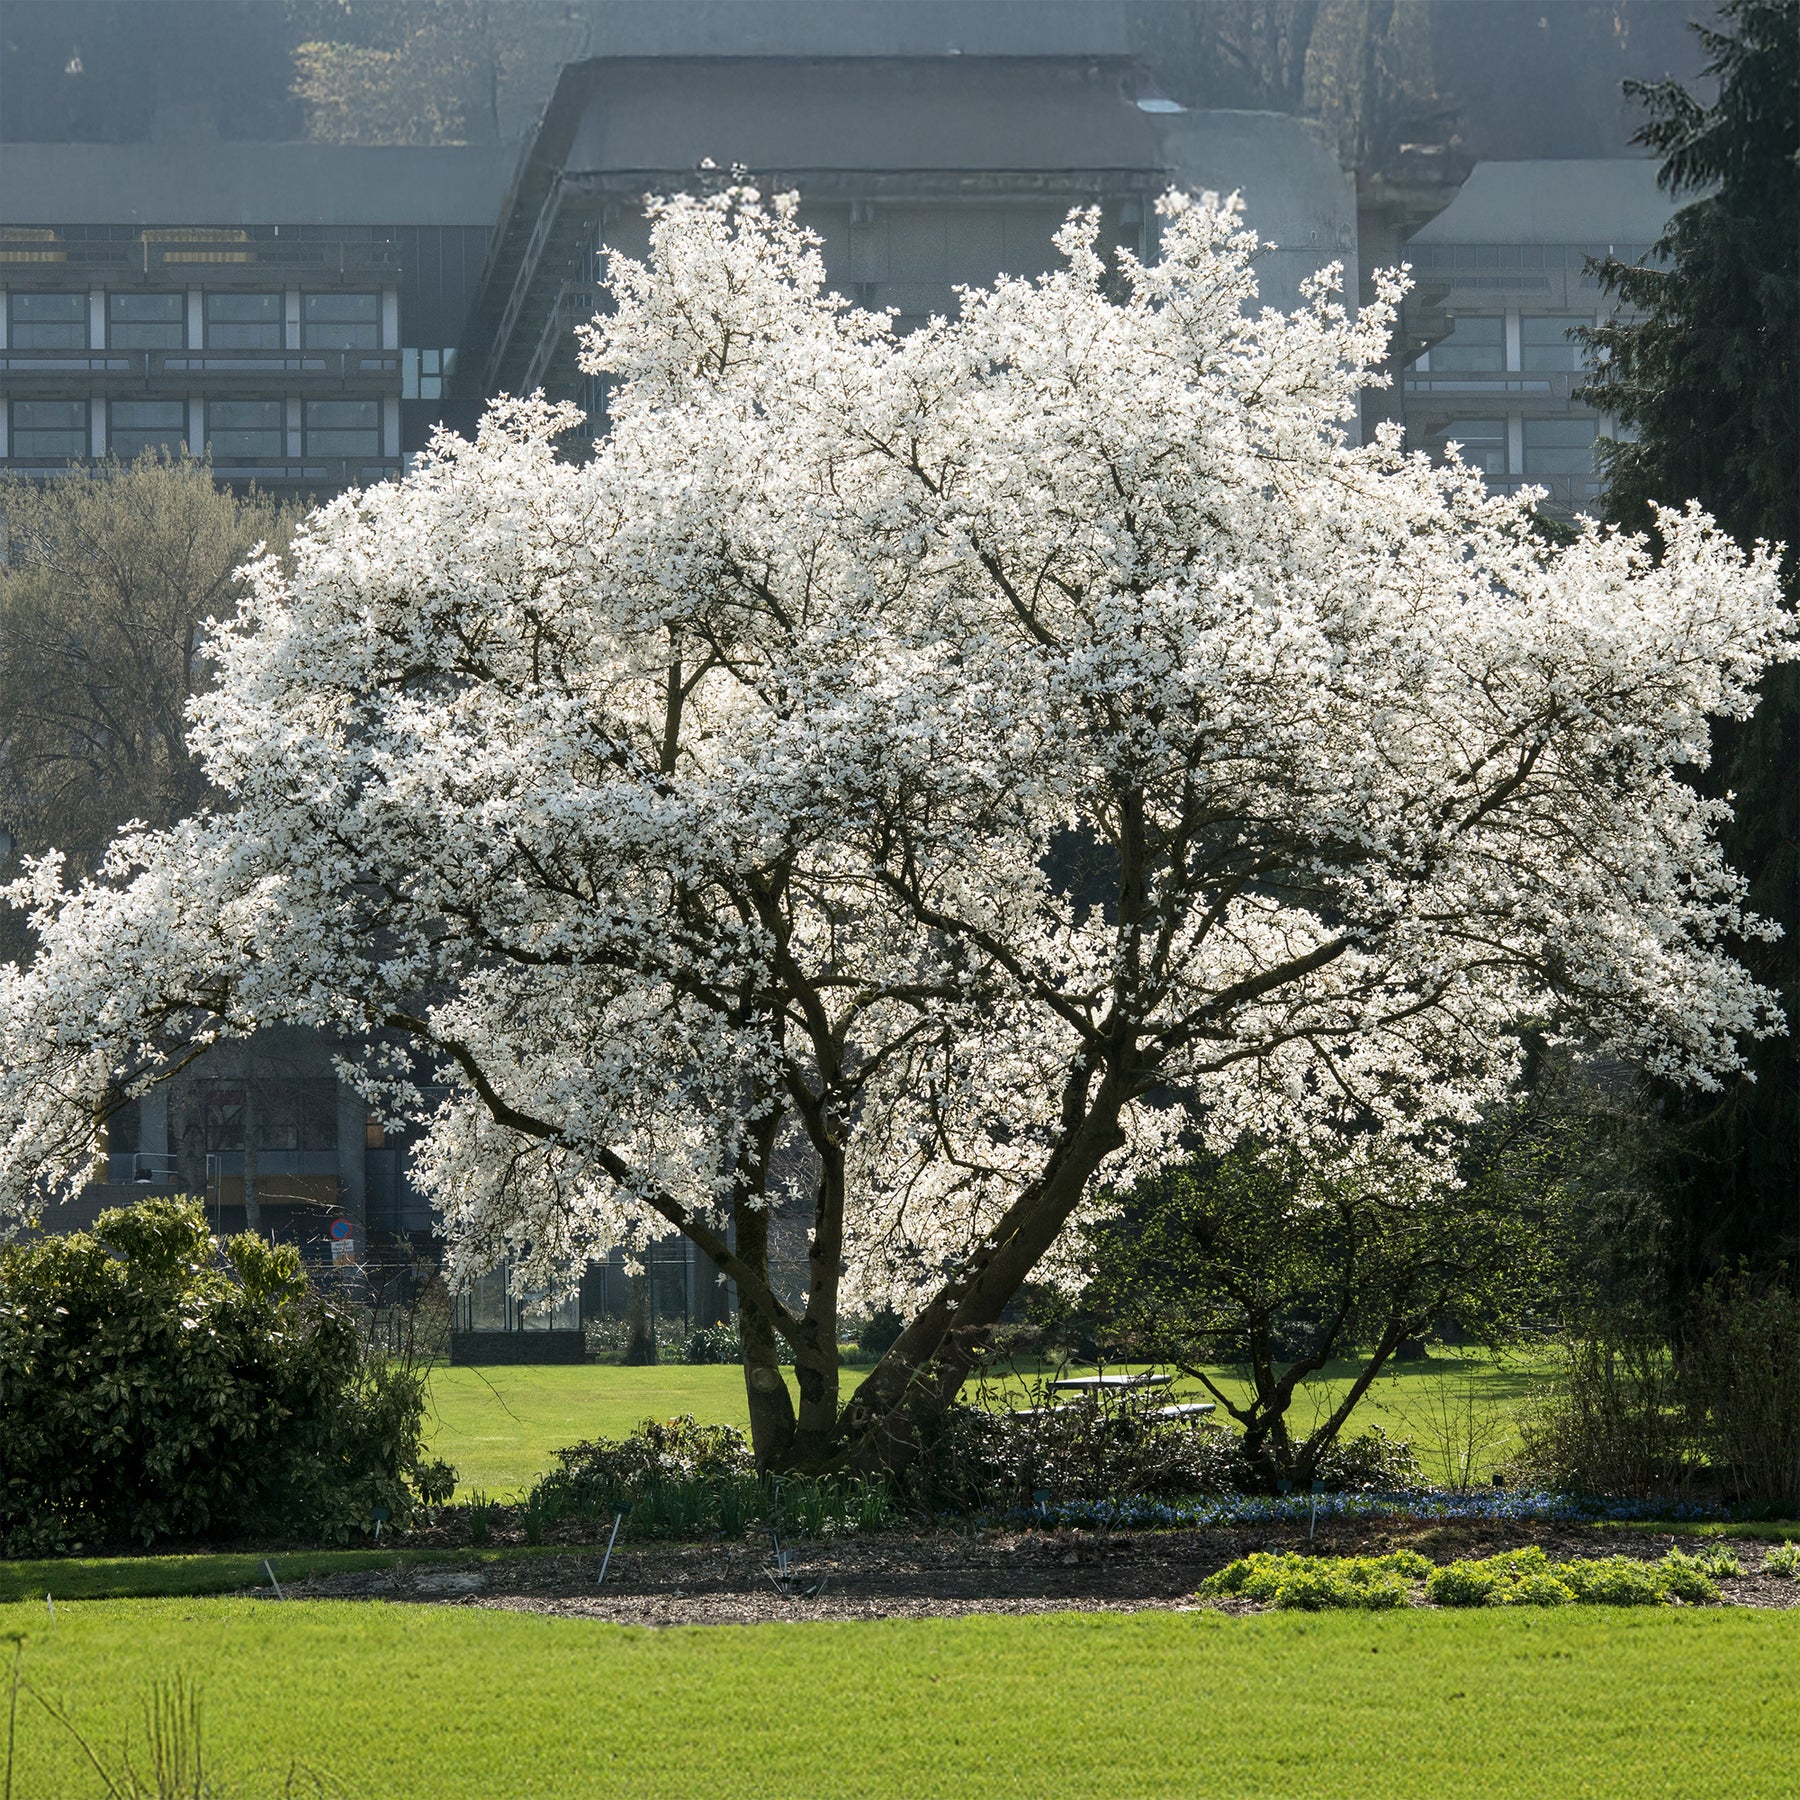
(341, 321)
(343, 428)
(1559, 446)
(243, 322)
(1544, 343)
(1483, 443)
(223, 1112)
(1476, 342)
(487, 1302)
(53, 430)
(48, 321)
(277, 1117)
(318, 1121)
(146, 321)
(245, 428)
(560, 1315)
(140, 425)
(124, 1130)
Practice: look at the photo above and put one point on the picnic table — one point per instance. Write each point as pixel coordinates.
(1113, 1384)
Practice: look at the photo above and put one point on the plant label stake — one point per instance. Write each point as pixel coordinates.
(1312, 1524)
(618, 1520)
(52, 1606)
(381, 1517)
(276, 1585)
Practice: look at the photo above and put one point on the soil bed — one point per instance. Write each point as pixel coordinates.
(890, 1575)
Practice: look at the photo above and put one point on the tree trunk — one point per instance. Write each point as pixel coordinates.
(640, 1338)
(928, 1364)
(816, 1355)
(766, 1392)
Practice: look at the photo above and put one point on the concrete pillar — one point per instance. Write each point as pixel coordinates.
(291, 318)
(352, 1134)
(153, 1135)
(196, 319)
(196, 426)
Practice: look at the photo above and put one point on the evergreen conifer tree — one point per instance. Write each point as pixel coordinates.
(1706, 384)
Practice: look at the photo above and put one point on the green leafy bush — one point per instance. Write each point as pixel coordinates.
(1320, 1583)
(152, 1387)
(1529, 1578)
(1783, 1560)
(1511, 1578)
(712, 1344)
(1740, 1382)
(676, 1478)
(1624, 1581)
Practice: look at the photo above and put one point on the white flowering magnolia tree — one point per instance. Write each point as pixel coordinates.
(913, 782)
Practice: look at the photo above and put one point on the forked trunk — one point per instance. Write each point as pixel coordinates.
(765, 1391)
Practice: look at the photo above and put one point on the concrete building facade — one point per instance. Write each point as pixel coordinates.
(1503, 279)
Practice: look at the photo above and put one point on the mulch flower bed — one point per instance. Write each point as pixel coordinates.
(890, 1575)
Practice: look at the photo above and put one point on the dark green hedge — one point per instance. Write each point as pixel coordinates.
(155, 1385)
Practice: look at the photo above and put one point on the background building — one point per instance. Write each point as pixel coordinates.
(1503, 279)
(296, 254)
(287, 310)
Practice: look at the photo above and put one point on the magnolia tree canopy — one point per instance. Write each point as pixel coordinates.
(914, 781)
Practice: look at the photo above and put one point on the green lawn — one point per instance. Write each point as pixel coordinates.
(452, 1703)
(500, 1426)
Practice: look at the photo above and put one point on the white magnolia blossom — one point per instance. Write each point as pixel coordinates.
(926, 777)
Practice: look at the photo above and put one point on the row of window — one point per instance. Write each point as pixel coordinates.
(57, 430)
(233, 321)
(1477, 344)
(290, 1115)
(1550, 446)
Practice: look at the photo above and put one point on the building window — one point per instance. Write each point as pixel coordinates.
(146, 321)
(424, 372)
(48, 321)
(1544, 343)
(140, 425)
(343, 428)
(252, 428)
(1477, 342)
(243, 322)
(341, 321)
(1483, 443)
(49, 430)
(487, 1304)
(1559, 446)
(290, 1115)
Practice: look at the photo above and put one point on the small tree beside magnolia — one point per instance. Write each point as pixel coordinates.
(697, 809)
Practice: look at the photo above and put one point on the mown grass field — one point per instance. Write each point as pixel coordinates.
(451, 1703)
(501, 1426)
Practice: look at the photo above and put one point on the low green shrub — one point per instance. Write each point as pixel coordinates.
(712, 1344)
(1528, 1578)
(153, 1385)
(1320, 1583)
(676, 1478)
(1784, 1560)
(1511, 1578)
(1624, 1581)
